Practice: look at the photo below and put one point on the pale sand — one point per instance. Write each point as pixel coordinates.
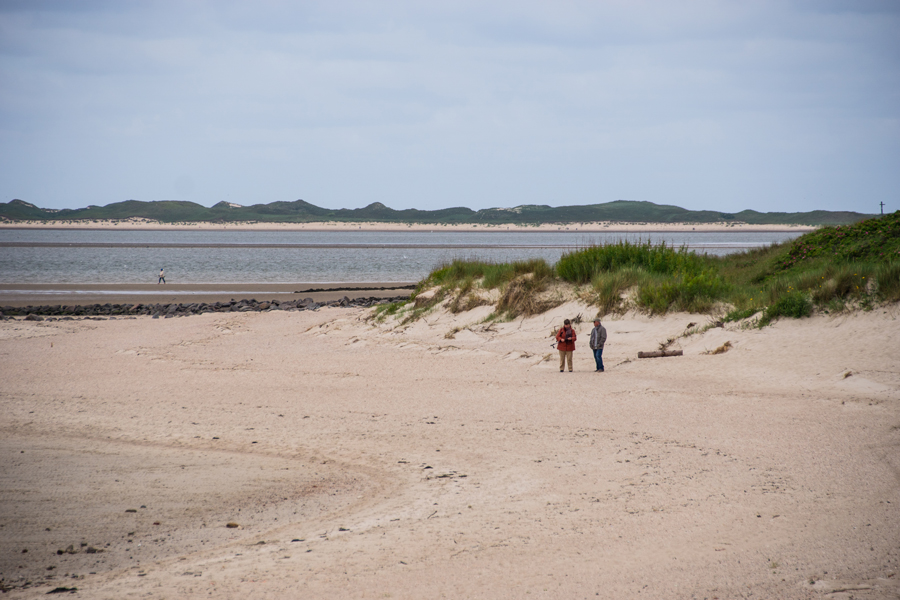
(595, 227)
(415, 466)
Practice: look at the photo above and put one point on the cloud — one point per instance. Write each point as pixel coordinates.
(703, 104)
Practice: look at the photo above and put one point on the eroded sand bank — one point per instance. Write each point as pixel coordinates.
(385, 461)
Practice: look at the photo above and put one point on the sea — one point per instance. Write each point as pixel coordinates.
(42, 256)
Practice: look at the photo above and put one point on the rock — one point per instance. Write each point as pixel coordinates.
(232, 525)
(33, 317)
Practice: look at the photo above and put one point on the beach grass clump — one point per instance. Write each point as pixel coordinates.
(465, 298)
(697, 293)
(520, 283)
(739, 314)
(383, 311)
(794, 304)
(887, 281)
(581, 266)
(608, 289)
(523, 296)
(490, 275)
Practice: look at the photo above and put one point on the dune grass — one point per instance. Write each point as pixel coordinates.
(583, 265)
(491, 275)
(831, 269)
(519, 282)
(664, 278)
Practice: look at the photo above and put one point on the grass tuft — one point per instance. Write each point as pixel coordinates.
(793, 304)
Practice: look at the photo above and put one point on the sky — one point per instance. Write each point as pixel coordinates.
(772, 106)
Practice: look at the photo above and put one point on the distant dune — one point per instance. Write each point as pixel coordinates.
(299, 211)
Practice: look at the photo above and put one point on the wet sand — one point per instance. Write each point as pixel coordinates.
(69, 294)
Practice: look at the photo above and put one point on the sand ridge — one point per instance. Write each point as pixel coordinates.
(450, 466)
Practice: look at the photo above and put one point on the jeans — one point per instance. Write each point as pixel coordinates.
(598, 358)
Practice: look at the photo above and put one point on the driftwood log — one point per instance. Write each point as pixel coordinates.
(660, 353)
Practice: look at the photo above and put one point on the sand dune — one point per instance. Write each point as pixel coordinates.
(449, 458)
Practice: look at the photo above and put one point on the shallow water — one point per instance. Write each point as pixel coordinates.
(30, 256)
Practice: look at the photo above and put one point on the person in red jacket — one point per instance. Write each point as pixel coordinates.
(565, 343)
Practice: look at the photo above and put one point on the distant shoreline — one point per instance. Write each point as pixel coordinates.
(324, 226)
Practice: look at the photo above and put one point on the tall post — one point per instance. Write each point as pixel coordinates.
(882, 209)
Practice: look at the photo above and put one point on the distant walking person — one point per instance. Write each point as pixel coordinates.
(565, 343)
(162, 276)
(598, 340)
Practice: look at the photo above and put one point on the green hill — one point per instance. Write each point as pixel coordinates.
(299, 211)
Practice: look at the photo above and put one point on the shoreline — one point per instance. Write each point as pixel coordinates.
(44, 294)
(324, 226)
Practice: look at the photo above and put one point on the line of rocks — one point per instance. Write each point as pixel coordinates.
(157, 311)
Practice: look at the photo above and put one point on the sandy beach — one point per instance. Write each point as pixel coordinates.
(449, 459)
(595, 227)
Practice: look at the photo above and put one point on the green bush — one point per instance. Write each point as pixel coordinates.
(792, 304)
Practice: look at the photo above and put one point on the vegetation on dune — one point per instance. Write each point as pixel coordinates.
(872, 240)
(830, 269)
(665, 279)
(299, 211)
(520, 285)
(583, 265)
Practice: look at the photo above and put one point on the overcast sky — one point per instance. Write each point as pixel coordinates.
(781, 105)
